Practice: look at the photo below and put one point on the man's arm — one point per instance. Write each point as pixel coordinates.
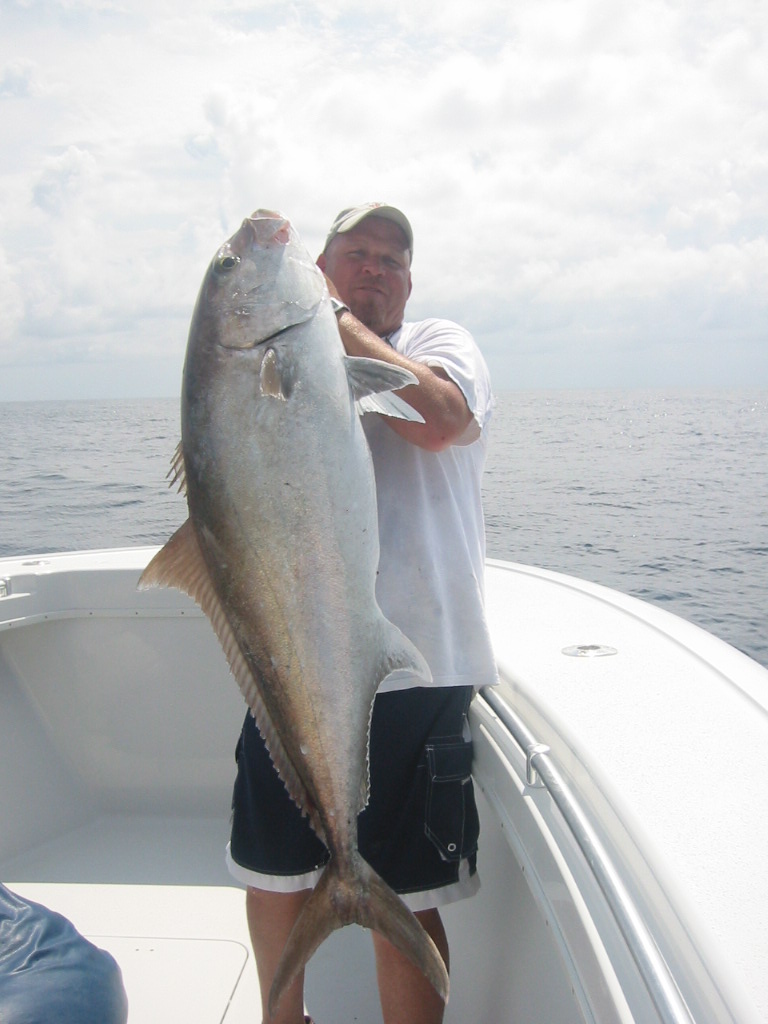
(439, 400)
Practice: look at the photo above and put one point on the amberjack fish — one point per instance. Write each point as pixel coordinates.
(280, 551)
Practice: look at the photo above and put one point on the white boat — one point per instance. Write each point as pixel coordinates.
(621, 765)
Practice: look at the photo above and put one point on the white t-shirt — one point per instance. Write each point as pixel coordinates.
(431, 526)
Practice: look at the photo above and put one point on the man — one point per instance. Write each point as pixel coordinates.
(50, 972)
(420, 828)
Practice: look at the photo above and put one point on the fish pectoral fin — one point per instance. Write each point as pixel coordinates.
(358, 896)
(372, 382)
(181, 565)
(388, 404)
(370, 376)
(271, 381)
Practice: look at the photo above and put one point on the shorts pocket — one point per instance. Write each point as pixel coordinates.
(452, 821)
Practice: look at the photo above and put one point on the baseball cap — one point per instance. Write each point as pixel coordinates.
(353, 215)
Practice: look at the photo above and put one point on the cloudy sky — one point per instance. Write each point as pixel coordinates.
(587, 179)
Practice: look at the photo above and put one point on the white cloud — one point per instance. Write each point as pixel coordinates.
(17, 80)
(11, 299)
(568, 166)
(63, 178)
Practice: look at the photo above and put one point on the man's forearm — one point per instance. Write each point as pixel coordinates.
(436, 397)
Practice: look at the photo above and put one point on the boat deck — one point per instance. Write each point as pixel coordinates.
(183, 950)
(117, 740)
(155, 893)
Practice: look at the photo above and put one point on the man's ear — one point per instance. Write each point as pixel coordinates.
(321, 261)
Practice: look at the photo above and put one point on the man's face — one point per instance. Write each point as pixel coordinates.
(370, 266)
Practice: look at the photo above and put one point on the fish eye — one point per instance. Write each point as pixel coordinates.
(227, 263)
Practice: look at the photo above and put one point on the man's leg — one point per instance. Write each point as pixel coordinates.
(271, 915)
(270, 837)
(406, 995)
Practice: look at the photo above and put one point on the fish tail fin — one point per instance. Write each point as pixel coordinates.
(384, 912)
(360, 897)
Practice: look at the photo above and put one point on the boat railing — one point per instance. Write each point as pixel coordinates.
(542, 770)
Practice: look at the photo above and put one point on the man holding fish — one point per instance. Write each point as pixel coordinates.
(419, 830)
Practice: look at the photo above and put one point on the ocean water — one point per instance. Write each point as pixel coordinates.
(662, 495)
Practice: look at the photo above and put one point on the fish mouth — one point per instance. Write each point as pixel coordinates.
(264, 228)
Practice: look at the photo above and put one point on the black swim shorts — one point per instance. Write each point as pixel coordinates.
(420, 828)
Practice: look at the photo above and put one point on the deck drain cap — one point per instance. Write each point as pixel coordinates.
(589, 651)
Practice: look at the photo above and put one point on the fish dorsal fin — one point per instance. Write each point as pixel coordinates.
(372, 382)
(176, 475)
(180, 564)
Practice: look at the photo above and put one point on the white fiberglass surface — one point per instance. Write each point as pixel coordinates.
(119, 723)
(670, 733)
(183, 951)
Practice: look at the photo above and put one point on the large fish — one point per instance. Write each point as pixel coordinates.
(281, 551)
